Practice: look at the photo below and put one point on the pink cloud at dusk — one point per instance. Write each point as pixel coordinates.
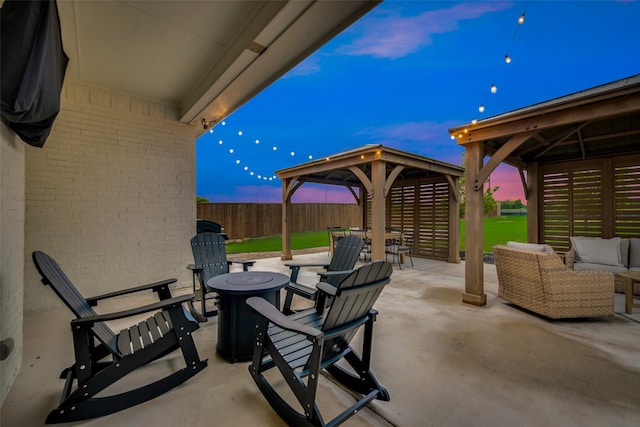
(393, 36)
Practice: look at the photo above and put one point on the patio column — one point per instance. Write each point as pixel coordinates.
(286, 215)
(378, 178)
(454, 221)
(474, 215)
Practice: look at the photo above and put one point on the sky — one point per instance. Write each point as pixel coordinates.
(403, 75)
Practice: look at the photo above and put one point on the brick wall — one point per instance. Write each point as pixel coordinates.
(111, 195)
(12, 163)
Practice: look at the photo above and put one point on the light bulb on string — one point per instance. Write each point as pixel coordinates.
(275, 148)
(220, 142)
(231, 151)
(521, 19)
(257, 141)
(507, 59)
(481, 108)
(223, 123)
(238, 162)
(494, 89)
(239, 133)
(293, 153)
(473, 121)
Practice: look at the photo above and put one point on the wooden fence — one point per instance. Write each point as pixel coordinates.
(241, 220)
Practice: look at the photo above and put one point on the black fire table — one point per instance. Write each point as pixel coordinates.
(236, 321)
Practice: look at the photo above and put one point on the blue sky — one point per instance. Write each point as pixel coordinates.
(405, 73)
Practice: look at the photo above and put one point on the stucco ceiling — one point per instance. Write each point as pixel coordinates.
(206, 58)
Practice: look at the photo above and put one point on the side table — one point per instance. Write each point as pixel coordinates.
(630, 278)
(236, 321)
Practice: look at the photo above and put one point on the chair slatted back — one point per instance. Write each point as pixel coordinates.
(355, 297)
(210, 254)
(345, 256)
(53, 276)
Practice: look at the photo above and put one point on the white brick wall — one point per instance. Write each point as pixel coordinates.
(12, 163)
(111, 196)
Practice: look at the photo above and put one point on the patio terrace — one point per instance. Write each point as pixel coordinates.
(444, 363)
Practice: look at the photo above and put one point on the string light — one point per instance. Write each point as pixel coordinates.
(481, 108)
(521, 19)
(507, 59)
(494, 89)
(473, 122)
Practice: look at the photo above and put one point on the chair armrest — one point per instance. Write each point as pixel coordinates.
(195, 268)
(323, 274)
(295, 269)
(291, 265)
(245, 263)
(327, 288)
(90, 320)
(570, 257)
(302, 290)
(159, 287)
(267, 310)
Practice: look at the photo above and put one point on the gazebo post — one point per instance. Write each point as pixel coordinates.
(454, 221)
(378, 178)
(286, 214)
(474, 212)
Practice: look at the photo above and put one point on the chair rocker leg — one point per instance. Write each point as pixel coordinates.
(364, 382)
(81, 403)
(99, 406)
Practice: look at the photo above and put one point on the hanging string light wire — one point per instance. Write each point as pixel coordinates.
(507, 58)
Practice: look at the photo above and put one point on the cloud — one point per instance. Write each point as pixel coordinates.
(426, 138)
(389, 35)
(309, 66)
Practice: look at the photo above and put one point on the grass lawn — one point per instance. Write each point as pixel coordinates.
(496, 231)
(499, 230)
(311, 239)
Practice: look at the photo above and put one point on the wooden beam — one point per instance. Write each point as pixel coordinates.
(507, 148)
(563, 138)
(453, 188)
(364, 179)
(523, 179)
(392, 177)
(559, 116)
(474, 256)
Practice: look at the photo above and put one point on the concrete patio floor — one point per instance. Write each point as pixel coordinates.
(444, 363)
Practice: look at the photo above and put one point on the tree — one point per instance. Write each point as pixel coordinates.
(202, 200)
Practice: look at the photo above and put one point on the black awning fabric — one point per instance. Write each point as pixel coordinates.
(32, 68)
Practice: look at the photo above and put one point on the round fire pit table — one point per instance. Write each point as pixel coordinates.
(236, 321)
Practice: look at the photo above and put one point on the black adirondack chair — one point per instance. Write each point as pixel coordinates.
(210, 257)
(303, 344)
(344, 258)
(103, 357)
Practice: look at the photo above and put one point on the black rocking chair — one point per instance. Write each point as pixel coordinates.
(210, 257)
(344, 258)
(103, 358)
(303, 344)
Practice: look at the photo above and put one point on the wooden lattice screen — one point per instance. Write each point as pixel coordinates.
(598, 198)
(423, 207)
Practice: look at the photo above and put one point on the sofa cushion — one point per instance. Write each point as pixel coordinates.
(595, 250)
(537, 247)
(582, 266)
(634, 252)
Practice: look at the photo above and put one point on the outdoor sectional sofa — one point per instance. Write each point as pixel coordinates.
(535, 278)
(615, 255)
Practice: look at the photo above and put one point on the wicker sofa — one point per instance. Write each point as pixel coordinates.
(615, 255)
(538, 280)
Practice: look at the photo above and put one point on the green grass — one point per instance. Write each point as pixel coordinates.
(496, 231)
(311, 239)
(500, 230)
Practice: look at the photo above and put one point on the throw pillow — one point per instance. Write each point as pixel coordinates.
(537, 247)
(634, 252)
(598, 251)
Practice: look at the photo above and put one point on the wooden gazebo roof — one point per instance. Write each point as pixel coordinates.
(371, 169)
(600, 122)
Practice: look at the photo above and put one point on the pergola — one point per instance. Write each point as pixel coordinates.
(581, 154)
(394, 189)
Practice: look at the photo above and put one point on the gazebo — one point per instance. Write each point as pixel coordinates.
(394, 188)
(579, 162)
